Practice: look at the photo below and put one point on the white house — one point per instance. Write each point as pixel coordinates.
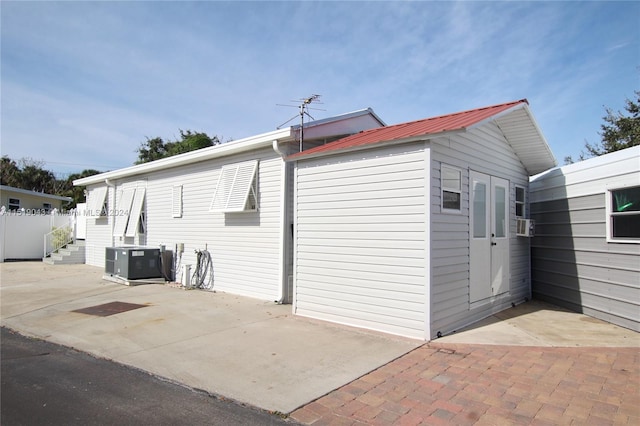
(411, 229)
(586, 252)
(233, 200)
(14, 199)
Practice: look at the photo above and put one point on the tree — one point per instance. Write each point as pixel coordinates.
(9, 172)
(27, 174)
(157, 148)
(76, 192)
(619, 131)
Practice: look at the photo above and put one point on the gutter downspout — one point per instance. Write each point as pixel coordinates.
(284, 210)
(112, 218)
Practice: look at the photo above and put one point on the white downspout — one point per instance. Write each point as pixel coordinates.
(282, 252)
(112, 205)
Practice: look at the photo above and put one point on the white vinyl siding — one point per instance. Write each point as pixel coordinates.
(574, 265)
(485, 150)
(245, 248)
(360, 240)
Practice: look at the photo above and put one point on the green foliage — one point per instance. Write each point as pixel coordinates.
(60, 236)
(619, 131)
(29, 174)
(76, 192)
(157, 148)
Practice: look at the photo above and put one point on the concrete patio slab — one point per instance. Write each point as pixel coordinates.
(249, 350)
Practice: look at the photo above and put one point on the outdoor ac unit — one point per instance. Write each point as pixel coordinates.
(132, 263)
(525, 227)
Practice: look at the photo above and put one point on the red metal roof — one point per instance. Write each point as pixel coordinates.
(424, 127)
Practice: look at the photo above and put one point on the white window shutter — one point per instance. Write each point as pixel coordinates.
(136, 211)
(96, 201)
(176, 201)
(121, 212)
(236, 188)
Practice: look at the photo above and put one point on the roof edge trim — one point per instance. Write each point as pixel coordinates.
(216, 151)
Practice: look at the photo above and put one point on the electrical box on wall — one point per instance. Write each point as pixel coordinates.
(133, 263)
(525, 227)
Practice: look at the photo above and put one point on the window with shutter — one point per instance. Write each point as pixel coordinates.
(236, 190)
(135, 213)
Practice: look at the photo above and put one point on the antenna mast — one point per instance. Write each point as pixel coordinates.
(303, 111)
(303, 107)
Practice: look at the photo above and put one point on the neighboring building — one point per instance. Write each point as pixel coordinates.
(233, 200)
(411, 229)
(36, 202)
(586, 252)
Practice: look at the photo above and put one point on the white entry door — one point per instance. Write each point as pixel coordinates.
(489, 236)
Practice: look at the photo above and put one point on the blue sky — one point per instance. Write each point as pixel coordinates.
(84, 83)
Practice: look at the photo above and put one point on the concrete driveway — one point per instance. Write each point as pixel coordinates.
(249, 350)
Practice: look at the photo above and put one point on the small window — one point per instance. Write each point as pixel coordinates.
(14, 204)
(623, 218)
(520, 204)
(236, 190)
(451, 182)
(46, 207)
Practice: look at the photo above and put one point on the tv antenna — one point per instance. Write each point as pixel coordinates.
(303, 108)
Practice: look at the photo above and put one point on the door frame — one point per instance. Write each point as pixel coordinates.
(489, 233)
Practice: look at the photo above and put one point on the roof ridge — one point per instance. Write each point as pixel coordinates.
(452, 114)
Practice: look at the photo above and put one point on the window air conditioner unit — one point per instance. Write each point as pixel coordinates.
(525, 227)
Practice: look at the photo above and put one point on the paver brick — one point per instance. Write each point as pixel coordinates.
(473, 384)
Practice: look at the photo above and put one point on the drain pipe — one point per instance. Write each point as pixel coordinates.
(112, 219)
(284, 203)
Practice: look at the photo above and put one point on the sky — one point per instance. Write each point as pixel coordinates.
(83, 84)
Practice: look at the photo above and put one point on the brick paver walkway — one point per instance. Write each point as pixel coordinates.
(489, 385)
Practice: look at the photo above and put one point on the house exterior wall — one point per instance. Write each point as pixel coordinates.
(361, 239)
(31, 201)
(245, 246)
(374, 248)
(483, 150)
(573, 265)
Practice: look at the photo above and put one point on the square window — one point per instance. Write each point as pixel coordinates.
(14, 204)
(623, 218)
(520, 202)
(451, 182)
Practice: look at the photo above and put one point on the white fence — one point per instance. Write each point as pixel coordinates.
(22, 233)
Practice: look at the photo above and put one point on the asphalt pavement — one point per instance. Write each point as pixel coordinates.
(48, 384)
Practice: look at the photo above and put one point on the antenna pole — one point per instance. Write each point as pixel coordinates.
(303, 107)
